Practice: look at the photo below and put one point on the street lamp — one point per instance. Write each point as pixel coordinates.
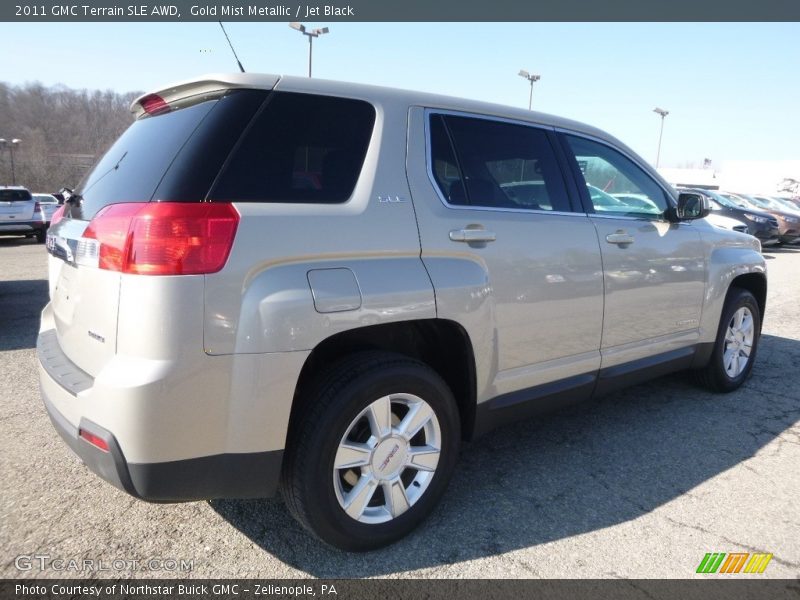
(11, 146)
(311, 34)
(663, 113)
(532, 78)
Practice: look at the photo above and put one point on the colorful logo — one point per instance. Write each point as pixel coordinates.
(735, 562)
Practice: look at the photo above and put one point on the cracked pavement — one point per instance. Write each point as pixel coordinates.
(639, 484)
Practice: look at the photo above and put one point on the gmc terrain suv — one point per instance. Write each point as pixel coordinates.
(278, 282)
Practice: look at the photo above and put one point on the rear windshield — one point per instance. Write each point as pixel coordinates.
(302, 148)
(171, 156)
(14, 195)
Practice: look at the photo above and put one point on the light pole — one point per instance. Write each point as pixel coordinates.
(533, 79)
(311, 34)
(11, 146)
(663, 113)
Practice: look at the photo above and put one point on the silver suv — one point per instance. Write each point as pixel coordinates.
(276, 282)
(21, 213)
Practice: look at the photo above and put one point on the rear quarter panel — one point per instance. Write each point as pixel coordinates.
(262, 301)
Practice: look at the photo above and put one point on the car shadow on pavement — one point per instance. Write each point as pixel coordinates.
(17, 241)
(21, 304)
(576, 471)
(783, 249)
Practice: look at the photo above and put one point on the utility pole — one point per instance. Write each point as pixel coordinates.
(533, 79)
(663, 113)
(311, 34)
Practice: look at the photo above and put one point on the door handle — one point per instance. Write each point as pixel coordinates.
(620, 238)
(472, 235)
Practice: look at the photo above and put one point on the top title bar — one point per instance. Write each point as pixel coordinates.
(406, 10)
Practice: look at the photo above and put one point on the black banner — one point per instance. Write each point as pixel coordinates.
(404, 10)
(713, 588)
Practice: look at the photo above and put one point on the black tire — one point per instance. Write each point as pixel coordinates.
(330, 406)
(714, 375)
(41, 235)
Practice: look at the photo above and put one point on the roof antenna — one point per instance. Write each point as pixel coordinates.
(241, 68)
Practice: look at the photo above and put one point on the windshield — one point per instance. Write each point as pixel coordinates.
(742, 201)
(774, 204)
(787, 204)
(760, 202)
(720, 199)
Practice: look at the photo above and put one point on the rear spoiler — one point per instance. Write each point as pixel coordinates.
(210, 86)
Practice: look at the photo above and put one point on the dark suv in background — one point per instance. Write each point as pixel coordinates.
(760, 224)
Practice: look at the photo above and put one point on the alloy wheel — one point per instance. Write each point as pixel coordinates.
(387, 458)
(738, 342)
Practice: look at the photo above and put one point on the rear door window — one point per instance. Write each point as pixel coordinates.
(495, 164)
(301, 148)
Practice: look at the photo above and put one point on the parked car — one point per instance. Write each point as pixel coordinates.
(20, 214)
(781, 203)
(48, 204)
(795, 202)
(232, 330)
(760, 224)
(788, 220)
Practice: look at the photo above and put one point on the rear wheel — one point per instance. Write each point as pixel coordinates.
(41, 235)
(374, 452)
(736, 343)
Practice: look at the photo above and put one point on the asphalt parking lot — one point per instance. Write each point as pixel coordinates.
(639, 484)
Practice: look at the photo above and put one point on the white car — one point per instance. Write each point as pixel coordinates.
(49, 204)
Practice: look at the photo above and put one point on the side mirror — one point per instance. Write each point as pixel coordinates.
(691, 207)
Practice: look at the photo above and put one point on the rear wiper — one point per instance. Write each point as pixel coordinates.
(114, 168)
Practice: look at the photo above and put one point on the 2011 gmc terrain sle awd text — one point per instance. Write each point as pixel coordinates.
(276, 282)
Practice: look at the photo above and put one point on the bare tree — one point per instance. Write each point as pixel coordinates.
(63, 132)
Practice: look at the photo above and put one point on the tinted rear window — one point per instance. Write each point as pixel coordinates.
(494, 164)
(302, 148)
(172, 156)
(14, 195)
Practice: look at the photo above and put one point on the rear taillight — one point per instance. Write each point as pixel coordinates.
(37, 208)
(58, 215)
(164, 238)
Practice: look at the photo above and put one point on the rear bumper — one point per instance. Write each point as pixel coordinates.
(158, 434)
(253, 475)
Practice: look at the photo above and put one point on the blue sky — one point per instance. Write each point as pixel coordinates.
(733, 90)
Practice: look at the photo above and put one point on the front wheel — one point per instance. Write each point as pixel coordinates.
(374, 452)
(736, 344)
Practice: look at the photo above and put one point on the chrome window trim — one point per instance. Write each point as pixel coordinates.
(428, 112)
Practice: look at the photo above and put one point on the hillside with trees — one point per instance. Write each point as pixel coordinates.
(62, 131)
